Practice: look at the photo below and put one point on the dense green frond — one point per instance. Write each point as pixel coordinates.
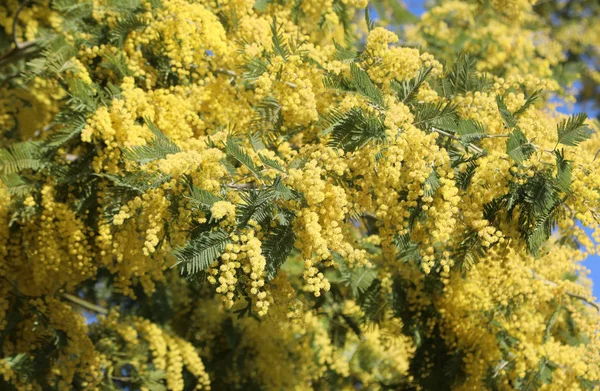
(463, 178)
(202, 198)
(563, 172)
(82, 96)
(158, 148)
(123, 188)
(356, 129)
(573, 130)
(268, 116)
(368, 21)
(463, 76)
(371, 301)
(518, 147)
(72, 9)
(344, 54)
(469, 131)
(280, 47)
(359, 279)
(55, 59)
(116, 62)
(407, 91)
(21, 156)
(256, 141)
(530, 101)
(277, 246)
(428, 115)
(364, 85)
(257, 205)
(131, 22)
(509, 119)
(254, 68)
(234, 150)
(261, 5)
(16, 184)
(267, 161)
(431, 184)
(201, 252)
(67, 133)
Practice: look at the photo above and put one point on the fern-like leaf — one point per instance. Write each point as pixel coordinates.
(158, 148)
(364, 85)
(573, 130)
(238, 153)
(407, 90)
(356, 129)
(21, 156)
(278, 244)
(517, 146)
(201, 252)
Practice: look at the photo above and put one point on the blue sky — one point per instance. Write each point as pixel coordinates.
(417, 7)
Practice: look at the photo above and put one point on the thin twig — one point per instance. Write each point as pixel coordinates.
(241, 186)
(121, 378)
(231, 73)
(497, 135)
(472, 147)
(85, 304)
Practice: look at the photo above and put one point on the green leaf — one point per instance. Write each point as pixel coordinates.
(469, 131)
(509, 119)
(429, 115)
(277, 246)
(407, 90)
(124, 27)
(158, 148)
(530, 101)
(202, 198)
(518, 147)
(573, 130)
(463, 77)
(21, 156)
(344, 54)
(254, 68)
(255, 141)
(368, 21)
(356, 129)
(280, 47)
(363, 84)
(431, 184)
(269, 111)
(551, 322)
(238, 153)
(16, 184)
(257, 205)
(359, 279)
(261, 5)
(201, 252)
(267, 161)
(563, 173)
(67, 133)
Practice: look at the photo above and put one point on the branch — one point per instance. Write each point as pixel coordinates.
(573, 295)
(16, 21)
(20, 48)
(85, 304)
